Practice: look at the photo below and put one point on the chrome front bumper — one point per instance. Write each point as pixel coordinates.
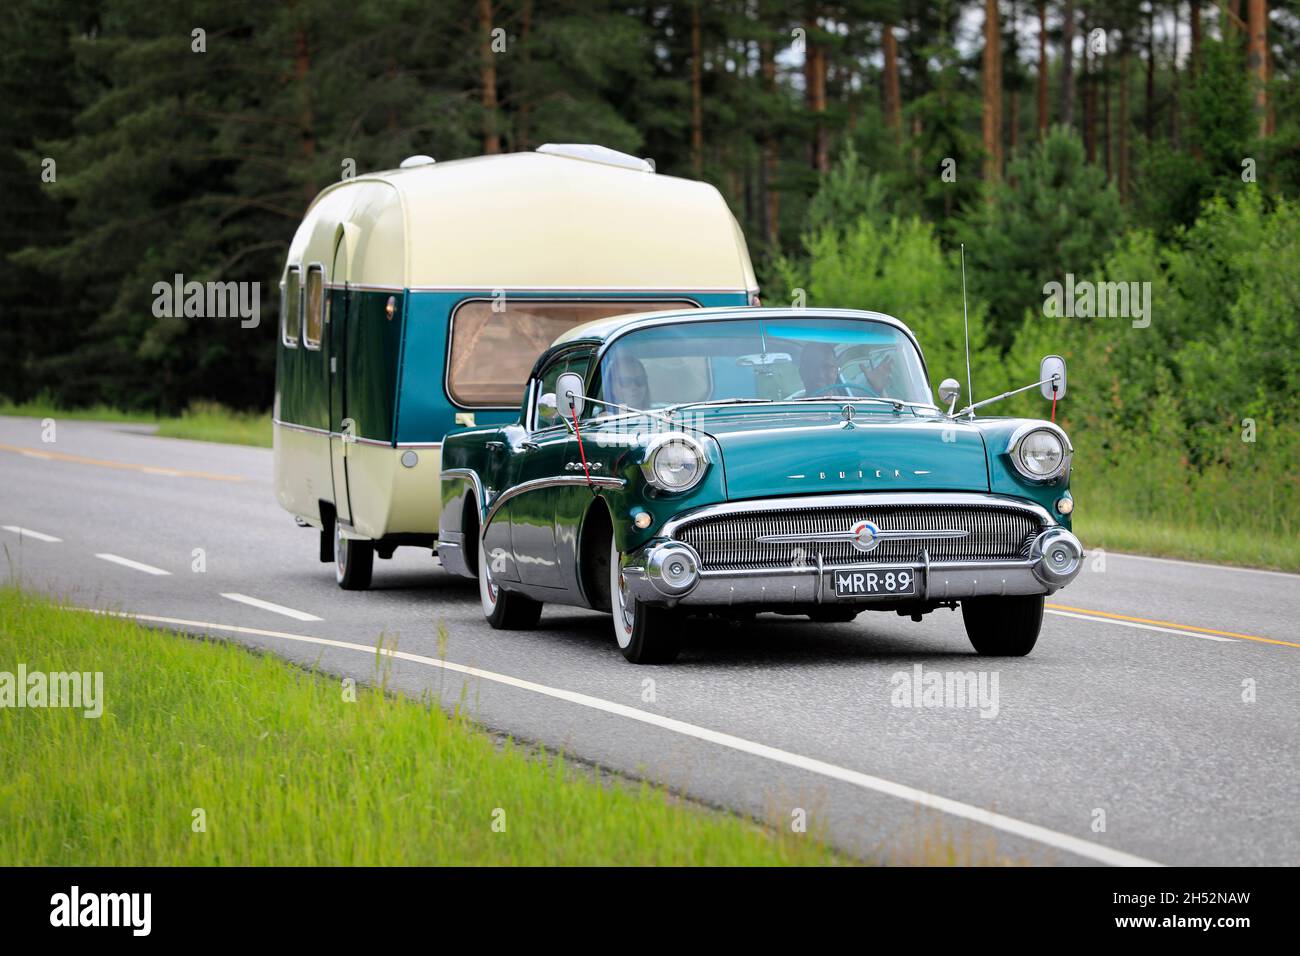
(668, 572)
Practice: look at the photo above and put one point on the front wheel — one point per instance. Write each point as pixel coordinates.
(1003, 626)
(504, 610)
(354, 560)
(646, 634)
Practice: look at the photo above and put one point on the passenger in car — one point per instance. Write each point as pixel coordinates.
(628, 383)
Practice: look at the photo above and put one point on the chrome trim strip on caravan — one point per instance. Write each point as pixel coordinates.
(361, 441)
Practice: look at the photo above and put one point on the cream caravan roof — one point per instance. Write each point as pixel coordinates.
(528, 220)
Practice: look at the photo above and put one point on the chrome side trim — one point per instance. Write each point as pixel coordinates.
(537, 484)
(468, 474)
(294, 426)
(302, 428)
(959, 499)
(357, 287)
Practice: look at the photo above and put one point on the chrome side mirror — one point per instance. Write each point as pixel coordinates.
(1051, 373)
(568, 392)
(949, 392)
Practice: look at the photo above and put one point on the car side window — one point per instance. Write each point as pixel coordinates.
(571, 362)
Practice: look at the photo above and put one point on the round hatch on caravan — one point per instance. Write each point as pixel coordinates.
(419, 160)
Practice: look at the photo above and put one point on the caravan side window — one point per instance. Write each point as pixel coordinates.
(291, 307)
(495, 343)
(314, 320)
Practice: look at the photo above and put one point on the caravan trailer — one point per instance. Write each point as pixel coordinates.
(415, 302)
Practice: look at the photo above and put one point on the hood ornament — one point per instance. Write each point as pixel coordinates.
(848, 411)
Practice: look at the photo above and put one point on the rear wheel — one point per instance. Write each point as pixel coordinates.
(354, 560)
(504, 610)
(646, 634)
(1003, 626)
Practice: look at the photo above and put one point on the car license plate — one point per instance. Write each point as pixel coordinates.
(878, 581)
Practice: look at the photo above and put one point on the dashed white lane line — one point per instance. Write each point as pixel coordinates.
(1030, 831)
(29, 533)
(273, 608)
(1142, 627)
(128, 563)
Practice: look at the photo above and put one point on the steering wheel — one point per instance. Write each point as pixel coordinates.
(836, 386)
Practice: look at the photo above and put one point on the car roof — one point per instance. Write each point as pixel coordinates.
(611, 327)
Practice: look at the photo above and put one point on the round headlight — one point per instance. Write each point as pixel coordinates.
(675, 465)
(1039, 454)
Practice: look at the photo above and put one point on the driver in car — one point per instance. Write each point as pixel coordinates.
(820, 371)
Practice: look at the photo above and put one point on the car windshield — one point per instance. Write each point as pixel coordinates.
(777, 359)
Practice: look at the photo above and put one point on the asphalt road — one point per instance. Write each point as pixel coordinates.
(1132, 712)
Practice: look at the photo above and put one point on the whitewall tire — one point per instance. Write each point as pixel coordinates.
(646, 634)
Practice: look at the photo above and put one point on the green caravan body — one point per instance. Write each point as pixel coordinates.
(416, 300)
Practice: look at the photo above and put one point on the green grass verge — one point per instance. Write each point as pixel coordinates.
(202, 421)
(1113, 528)
(288, 772)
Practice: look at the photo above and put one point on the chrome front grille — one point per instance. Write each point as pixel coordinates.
(728, 542)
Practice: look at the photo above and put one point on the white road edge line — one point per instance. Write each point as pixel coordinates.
(1030, 831)
(128, 563)
(29, 533)
(1142, 627)
(273, 608)
(1202, 564)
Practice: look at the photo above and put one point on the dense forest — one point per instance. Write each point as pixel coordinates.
(1154, 144)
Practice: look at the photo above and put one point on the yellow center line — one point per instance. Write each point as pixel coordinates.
(121, 465)
(1181, 627)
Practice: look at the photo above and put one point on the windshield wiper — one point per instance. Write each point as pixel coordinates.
(897, 403)
(669, 409)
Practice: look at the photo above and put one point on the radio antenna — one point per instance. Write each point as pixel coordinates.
(965, 321)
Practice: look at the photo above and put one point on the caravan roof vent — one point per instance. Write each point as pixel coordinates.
(598, 154)
(419, 160)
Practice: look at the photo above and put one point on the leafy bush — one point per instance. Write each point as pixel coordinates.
(898, 267)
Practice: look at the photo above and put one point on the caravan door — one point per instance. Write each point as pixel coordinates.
(342, 428)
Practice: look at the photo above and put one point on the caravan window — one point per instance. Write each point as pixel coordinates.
(492, 352)
(315, 316)
(291, 307)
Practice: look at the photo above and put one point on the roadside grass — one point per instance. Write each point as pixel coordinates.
(201, 421)
(208, 421)
(1109, 525)
(286, 771)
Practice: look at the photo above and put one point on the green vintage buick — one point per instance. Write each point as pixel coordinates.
(735, 460)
